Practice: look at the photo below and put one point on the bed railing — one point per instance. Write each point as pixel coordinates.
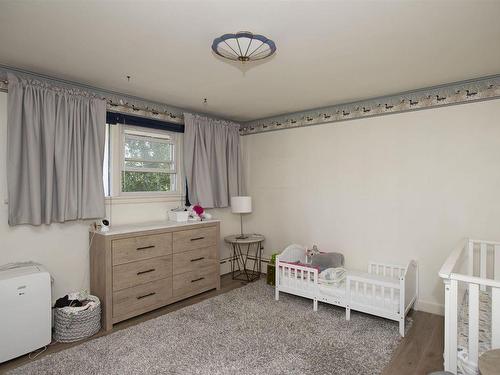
(409, 289)
(296, 279)
(473, 266)
(386, 270)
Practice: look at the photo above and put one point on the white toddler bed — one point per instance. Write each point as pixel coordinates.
(387, 291)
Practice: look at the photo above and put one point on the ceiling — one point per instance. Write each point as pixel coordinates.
(328, 52)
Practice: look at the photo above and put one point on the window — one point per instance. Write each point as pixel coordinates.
(148, 162)
(141, 161)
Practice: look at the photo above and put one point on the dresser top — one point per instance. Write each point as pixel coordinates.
(152, 225)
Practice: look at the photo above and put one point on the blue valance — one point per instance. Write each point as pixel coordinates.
(113, 118)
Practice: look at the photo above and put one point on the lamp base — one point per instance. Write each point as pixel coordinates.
(242, 235)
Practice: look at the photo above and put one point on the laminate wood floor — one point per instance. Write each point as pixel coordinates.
(419, 353)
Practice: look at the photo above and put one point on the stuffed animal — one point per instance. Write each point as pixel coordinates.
(324, 260)
(198, 213)
(311, 252)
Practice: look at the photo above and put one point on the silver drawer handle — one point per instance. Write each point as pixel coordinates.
(146, 295)
(147, 271)
(197, 238)
(197, 259)
(195, 280)
(146, 247)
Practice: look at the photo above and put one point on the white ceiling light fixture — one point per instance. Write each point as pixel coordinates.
(243, 46)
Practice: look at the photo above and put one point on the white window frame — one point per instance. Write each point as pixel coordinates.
(117, 165)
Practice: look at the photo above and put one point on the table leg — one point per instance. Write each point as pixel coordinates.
(245, 262)
(241, 257)
(259, 256)
(235, 258)
(256, 259)
(240, 260)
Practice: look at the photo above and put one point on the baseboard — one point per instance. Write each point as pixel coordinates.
(430, 307)
(225, 265)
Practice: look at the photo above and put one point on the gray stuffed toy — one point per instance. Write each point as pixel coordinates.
(325, 260)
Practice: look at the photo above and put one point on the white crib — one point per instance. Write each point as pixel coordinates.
(388, 291)
(471, 275)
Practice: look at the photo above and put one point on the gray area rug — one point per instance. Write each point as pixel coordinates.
(244, 331)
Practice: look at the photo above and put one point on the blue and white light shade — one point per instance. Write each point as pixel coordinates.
(243, 46)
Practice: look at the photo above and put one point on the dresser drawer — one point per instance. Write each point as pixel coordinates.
(192, 260)
(143, 271)
(141, 247)
(194, 239)
(194, 282)
(142, 297)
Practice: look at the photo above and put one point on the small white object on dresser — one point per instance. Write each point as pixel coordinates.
(178, 216)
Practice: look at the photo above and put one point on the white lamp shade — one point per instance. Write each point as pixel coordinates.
(241, 205)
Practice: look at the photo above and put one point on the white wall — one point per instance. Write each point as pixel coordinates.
(388, 188)
(63, 248)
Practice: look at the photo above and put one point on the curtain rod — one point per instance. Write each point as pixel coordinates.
(116, 101)
(120, 105)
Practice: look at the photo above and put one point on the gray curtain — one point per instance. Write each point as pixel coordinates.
(212, 161)
(55, 153)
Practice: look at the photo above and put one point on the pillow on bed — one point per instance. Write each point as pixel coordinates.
(327, 260)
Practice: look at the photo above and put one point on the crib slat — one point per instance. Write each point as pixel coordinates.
(496, 262)
(295, 276)
(482, 264)
(473, 323)
(452, 327)
(495, 318)
(470, 263)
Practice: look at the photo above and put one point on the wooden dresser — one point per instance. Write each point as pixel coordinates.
(138, 268)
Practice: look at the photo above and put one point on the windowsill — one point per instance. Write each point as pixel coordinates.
(144, 198)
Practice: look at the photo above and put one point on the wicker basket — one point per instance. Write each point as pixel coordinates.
(73, 325)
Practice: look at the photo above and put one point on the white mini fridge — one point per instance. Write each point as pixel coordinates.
(25, 311)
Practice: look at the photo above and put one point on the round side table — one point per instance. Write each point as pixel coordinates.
(489, 362)
(253, 245)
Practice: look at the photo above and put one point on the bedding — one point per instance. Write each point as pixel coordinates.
(327, 260)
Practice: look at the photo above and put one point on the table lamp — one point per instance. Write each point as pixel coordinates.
(241, 205)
